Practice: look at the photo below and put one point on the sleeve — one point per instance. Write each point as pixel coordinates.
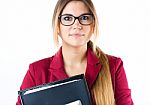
(28, 81)
(122, 91)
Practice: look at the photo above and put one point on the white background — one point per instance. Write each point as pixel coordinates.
(26, 36)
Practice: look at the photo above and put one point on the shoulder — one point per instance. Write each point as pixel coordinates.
(40, 66)
(38, 71)
(114, 62)
(113, 59)
(43, 63)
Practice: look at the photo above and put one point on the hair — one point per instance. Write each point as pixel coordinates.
(102, 89)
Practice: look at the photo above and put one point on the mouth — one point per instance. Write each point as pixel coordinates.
(76, 35)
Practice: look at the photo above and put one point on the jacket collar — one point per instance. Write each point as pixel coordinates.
(57, 62)
(57, 66)
(93, 67)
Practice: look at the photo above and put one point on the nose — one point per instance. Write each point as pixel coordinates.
(77, 25)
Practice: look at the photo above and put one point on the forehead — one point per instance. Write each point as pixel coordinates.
(75, 8)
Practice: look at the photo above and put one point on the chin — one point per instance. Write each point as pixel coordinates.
(75, 44)
(78, 45)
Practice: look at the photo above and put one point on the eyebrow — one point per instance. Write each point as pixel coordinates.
(79, 15)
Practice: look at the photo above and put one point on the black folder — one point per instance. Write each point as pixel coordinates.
(70, 91)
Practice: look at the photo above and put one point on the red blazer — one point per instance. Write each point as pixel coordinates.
(52, 69)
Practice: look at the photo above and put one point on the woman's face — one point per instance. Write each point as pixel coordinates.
(75, 34)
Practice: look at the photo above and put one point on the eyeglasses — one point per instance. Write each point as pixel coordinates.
(68, 19)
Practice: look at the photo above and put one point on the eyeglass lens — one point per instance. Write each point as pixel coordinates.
(68, 19)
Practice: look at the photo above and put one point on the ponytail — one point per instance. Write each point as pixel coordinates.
(102, 89)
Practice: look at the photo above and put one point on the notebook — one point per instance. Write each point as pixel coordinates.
(70, 91)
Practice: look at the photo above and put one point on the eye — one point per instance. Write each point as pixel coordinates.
(84, 17)
(67, 18)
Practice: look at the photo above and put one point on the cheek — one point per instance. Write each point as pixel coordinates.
(64, 30)
(88, 30)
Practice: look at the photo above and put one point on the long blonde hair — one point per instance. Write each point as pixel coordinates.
(102, 88)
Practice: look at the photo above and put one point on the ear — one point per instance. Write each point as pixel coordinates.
(92, 28)
(58, 30)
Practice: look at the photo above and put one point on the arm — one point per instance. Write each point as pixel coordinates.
(28, 81)
(122, 91)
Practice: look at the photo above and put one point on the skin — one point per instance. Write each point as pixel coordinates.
(74, 40)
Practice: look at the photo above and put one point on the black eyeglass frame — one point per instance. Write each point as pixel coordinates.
(78, 17)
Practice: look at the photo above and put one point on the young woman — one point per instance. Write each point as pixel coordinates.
(75, 22)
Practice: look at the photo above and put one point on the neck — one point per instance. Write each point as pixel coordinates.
(74, 56)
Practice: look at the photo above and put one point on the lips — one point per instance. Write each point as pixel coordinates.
(76, 35)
